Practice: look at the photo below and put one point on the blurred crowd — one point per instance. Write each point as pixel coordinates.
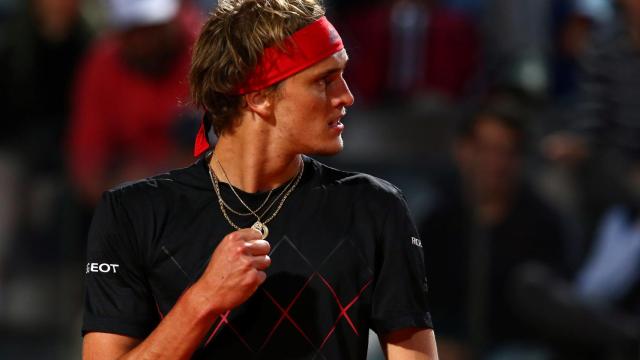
(512, 126)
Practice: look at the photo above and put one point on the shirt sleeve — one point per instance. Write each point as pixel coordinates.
(117, 296)
(400, 292)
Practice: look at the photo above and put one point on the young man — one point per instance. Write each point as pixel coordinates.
(178, 265)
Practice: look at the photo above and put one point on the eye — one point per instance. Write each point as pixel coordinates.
(326, 80)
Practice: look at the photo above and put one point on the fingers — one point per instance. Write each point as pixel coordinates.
(261, 262)
(249, 245)
(236, 268)
(258, 247)
(252, 242)
(248, 234)
(262, 276)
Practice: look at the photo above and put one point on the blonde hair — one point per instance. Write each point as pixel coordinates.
(231, 44)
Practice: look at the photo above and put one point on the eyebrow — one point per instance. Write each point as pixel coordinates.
(332, 70)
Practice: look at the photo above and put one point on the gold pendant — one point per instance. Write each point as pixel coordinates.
(262, 228)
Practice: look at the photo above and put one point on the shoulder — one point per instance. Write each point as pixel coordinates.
(162, 191)
(358, 184)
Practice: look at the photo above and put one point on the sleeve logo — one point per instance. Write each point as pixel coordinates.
(102, 268)
(416, 242)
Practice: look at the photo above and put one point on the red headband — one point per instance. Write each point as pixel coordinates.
(304, 48)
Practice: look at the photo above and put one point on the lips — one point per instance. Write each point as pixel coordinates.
(337, 124)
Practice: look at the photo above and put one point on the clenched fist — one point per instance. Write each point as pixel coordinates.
(236, 269)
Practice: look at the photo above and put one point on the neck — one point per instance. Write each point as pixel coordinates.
(491, 208)
(251, 162)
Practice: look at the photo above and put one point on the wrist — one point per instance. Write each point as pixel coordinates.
(201, 303)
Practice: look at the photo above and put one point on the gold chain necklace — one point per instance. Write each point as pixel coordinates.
(216, 183)
(251, 211)
(259, 225)
(273, 202)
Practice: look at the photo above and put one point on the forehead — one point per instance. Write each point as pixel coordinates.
(336, 62)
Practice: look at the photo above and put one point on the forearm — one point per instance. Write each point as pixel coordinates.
(176, 337)
(233, 274)
(408, 344)
(181, 332)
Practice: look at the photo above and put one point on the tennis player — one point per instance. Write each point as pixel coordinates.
(256, 250)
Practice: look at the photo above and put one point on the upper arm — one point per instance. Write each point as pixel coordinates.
(399, 298)
(410, 343)
(118, 296)
(99, 346)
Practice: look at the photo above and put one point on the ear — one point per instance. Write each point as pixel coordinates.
(260, 102)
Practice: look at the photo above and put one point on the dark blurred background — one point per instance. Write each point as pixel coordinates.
(512, 126)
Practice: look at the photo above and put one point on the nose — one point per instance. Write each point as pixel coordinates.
(343, 96)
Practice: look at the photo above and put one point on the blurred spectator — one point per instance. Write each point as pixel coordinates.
(607, 115)
(519, 42)
(611, 272)
(39, 52)
(130, 117)
(206, 6)
(533, 44)
(597, 316)
(609, 108)
(40, 49)
(487, 221)
(41, 45)
(572, 30)
(577, 22)
(601, 12)
(403, 48)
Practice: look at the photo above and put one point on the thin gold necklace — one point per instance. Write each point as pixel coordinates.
(216, 182)
(251, 211)
(259, 225)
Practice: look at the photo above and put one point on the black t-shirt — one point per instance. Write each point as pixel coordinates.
(345, 258)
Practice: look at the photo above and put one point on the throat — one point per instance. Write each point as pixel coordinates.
(252, 176)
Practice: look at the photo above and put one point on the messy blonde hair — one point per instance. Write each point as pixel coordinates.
(231, 44)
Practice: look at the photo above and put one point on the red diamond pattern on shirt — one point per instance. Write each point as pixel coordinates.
(284, 306)
(343, 309)
(285, 314)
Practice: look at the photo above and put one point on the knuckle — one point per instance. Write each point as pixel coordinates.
(233, 237)
(245, 264)
(239, 250)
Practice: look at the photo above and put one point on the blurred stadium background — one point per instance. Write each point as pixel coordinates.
(512, 126)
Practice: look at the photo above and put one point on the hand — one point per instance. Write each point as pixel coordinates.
(236, 269)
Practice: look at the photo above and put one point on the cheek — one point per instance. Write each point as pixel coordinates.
(303, 111)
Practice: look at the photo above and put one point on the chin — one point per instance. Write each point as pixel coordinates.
(328, 149)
